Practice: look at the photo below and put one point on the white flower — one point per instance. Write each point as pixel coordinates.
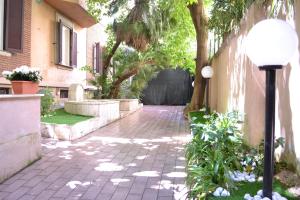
(6, 73)
(34, 69)
(17, 70)
(22, 69)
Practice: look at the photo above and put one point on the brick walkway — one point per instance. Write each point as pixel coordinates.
(139, 157)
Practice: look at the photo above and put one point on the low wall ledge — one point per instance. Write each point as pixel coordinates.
(20, 96)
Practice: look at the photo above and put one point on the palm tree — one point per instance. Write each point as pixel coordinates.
(141, 26)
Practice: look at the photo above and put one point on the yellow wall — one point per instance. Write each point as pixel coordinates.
(43, 49)
(239, 85)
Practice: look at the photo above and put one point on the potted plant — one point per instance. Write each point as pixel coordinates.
(24, 80)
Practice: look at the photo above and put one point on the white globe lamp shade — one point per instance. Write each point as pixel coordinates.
(193, 83)
(207, 72)
(271, 42)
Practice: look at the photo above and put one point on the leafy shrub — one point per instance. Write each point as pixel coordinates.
(217, 149)
(46, 101)
(254, 156)
(214, 151)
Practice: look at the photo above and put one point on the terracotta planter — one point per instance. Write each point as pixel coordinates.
(25, 87)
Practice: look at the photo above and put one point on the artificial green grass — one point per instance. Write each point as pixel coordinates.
(252, 188)
(60, 116)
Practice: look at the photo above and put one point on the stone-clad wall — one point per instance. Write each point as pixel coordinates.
(239, 85)
(20, 143)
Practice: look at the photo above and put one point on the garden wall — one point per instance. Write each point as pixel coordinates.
(20, 139)
(239, 85)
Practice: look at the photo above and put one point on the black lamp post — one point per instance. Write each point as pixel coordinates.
(207, 72)
(270, 45)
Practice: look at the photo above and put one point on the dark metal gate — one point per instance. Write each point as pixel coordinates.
(170, 87)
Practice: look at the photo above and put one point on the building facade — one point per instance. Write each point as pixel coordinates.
(52, 35)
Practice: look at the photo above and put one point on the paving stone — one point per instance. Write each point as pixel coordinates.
(17, 193)
(27, 197)
(102, 196)
(92, 192)
(150, 194)
(45, 195)
(120, 194)
(34, 181)
(134, 197)
(138, 157)
(14, 186)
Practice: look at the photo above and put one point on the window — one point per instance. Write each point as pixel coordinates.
(4, 90)
(11, 25)
(64, 94)
(67, 44)
(97, 58)
(2, 24)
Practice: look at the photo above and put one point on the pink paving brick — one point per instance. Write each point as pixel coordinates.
(138, 157)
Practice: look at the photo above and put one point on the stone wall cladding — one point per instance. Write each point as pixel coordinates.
(17, 59)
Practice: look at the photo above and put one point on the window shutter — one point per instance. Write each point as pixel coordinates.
(59, 41)
(100, 60)
(14, 25)
(74, 49)
(98, 57)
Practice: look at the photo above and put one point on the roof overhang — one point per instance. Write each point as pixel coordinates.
(74, 11)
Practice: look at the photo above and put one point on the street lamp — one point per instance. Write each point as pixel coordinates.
(270, 45)
(207, 72)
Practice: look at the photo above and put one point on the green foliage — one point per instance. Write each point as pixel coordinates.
(139, 82)
(46, 101)
(217, 149)
(60, 116)
(254, 156)
(225, 15)
(102, 84)
(213, 153)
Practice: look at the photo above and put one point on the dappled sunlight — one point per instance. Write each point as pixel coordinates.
(104, 160)
(166, 184)
(141, 157)
(120, 155)
(181, 158)
(110, 140)
(109, 167)
(73, 184)
(117, 181)
(179, 167)
(147, 174)
(131, 165)
(176, 174)
(151, 147)
(90, 153)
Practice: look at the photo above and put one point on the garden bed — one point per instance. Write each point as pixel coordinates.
(60, 116)
(65, 126)
(220, 165)
(252, 188)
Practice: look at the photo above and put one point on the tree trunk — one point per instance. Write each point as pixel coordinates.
(115, 89)
(109, 57)
(200, 23)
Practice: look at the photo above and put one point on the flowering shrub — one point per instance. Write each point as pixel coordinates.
(23, 73)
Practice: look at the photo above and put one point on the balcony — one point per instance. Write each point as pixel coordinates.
(76, 10)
